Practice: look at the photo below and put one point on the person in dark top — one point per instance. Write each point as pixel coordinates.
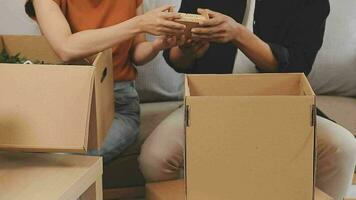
(286, 37)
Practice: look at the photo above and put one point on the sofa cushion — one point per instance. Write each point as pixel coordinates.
(334, 71)
(340, 109)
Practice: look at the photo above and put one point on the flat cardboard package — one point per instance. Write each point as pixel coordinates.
(249, 137)
(174, 190)
(191, 21)
(53, 107)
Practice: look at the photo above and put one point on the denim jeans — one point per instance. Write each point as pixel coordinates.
(125, 127)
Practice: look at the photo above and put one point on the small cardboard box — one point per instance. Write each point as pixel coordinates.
(249, 137)
(53, 107)
(191, 21)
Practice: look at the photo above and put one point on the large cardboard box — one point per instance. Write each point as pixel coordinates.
(174, 190)
(250, 137)
(53, 107)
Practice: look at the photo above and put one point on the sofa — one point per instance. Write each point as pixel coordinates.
(333, 78)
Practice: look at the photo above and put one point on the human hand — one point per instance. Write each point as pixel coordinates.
(160, 22)
(219, 28)
(164, 42)
(196, 48)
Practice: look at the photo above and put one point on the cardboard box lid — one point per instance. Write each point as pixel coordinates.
(54, 107)
(247, 132)
(103, 109)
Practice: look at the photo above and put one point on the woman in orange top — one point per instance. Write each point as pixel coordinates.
(77, 29)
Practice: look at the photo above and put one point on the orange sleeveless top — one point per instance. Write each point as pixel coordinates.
(94, 14)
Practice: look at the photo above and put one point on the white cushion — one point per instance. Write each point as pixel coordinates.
(334, 72)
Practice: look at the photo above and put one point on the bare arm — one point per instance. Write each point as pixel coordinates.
(258, 51)
(144, 51)
(71, 46)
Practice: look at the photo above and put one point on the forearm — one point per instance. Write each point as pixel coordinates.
(256, 49)
(85, 43)
(143, 53)
(180, 59)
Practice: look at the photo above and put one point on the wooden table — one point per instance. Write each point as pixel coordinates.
(50, 177)
(174, 190)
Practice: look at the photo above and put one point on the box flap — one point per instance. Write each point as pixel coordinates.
(32, 47)
(186, 86)
(91, 137)
(240, 85)
(104, 96)
(305, 86)
(1, 44)
(229, 153)
(44, 108)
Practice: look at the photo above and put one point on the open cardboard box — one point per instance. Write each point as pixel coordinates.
(250, 137)
(53, 107)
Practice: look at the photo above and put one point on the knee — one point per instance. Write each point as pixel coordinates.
(160, 164)
(347, 149)
(344, 150)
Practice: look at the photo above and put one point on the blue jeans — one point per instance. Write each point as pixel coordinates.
(125, 127)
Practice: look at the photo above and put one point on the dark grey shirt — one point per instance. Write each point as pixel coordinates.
(294, 29)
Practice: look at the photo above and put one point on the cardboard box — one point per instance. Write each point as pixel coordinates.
(250, 137)
(169, 190)
(191, 21)
(174, 190)
(53, 107)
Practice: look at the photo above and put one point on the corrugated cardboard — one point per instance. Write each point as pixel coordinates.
(253, 135)
(60, 108)
(174, 190)
(169, 190)
(191, 21)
